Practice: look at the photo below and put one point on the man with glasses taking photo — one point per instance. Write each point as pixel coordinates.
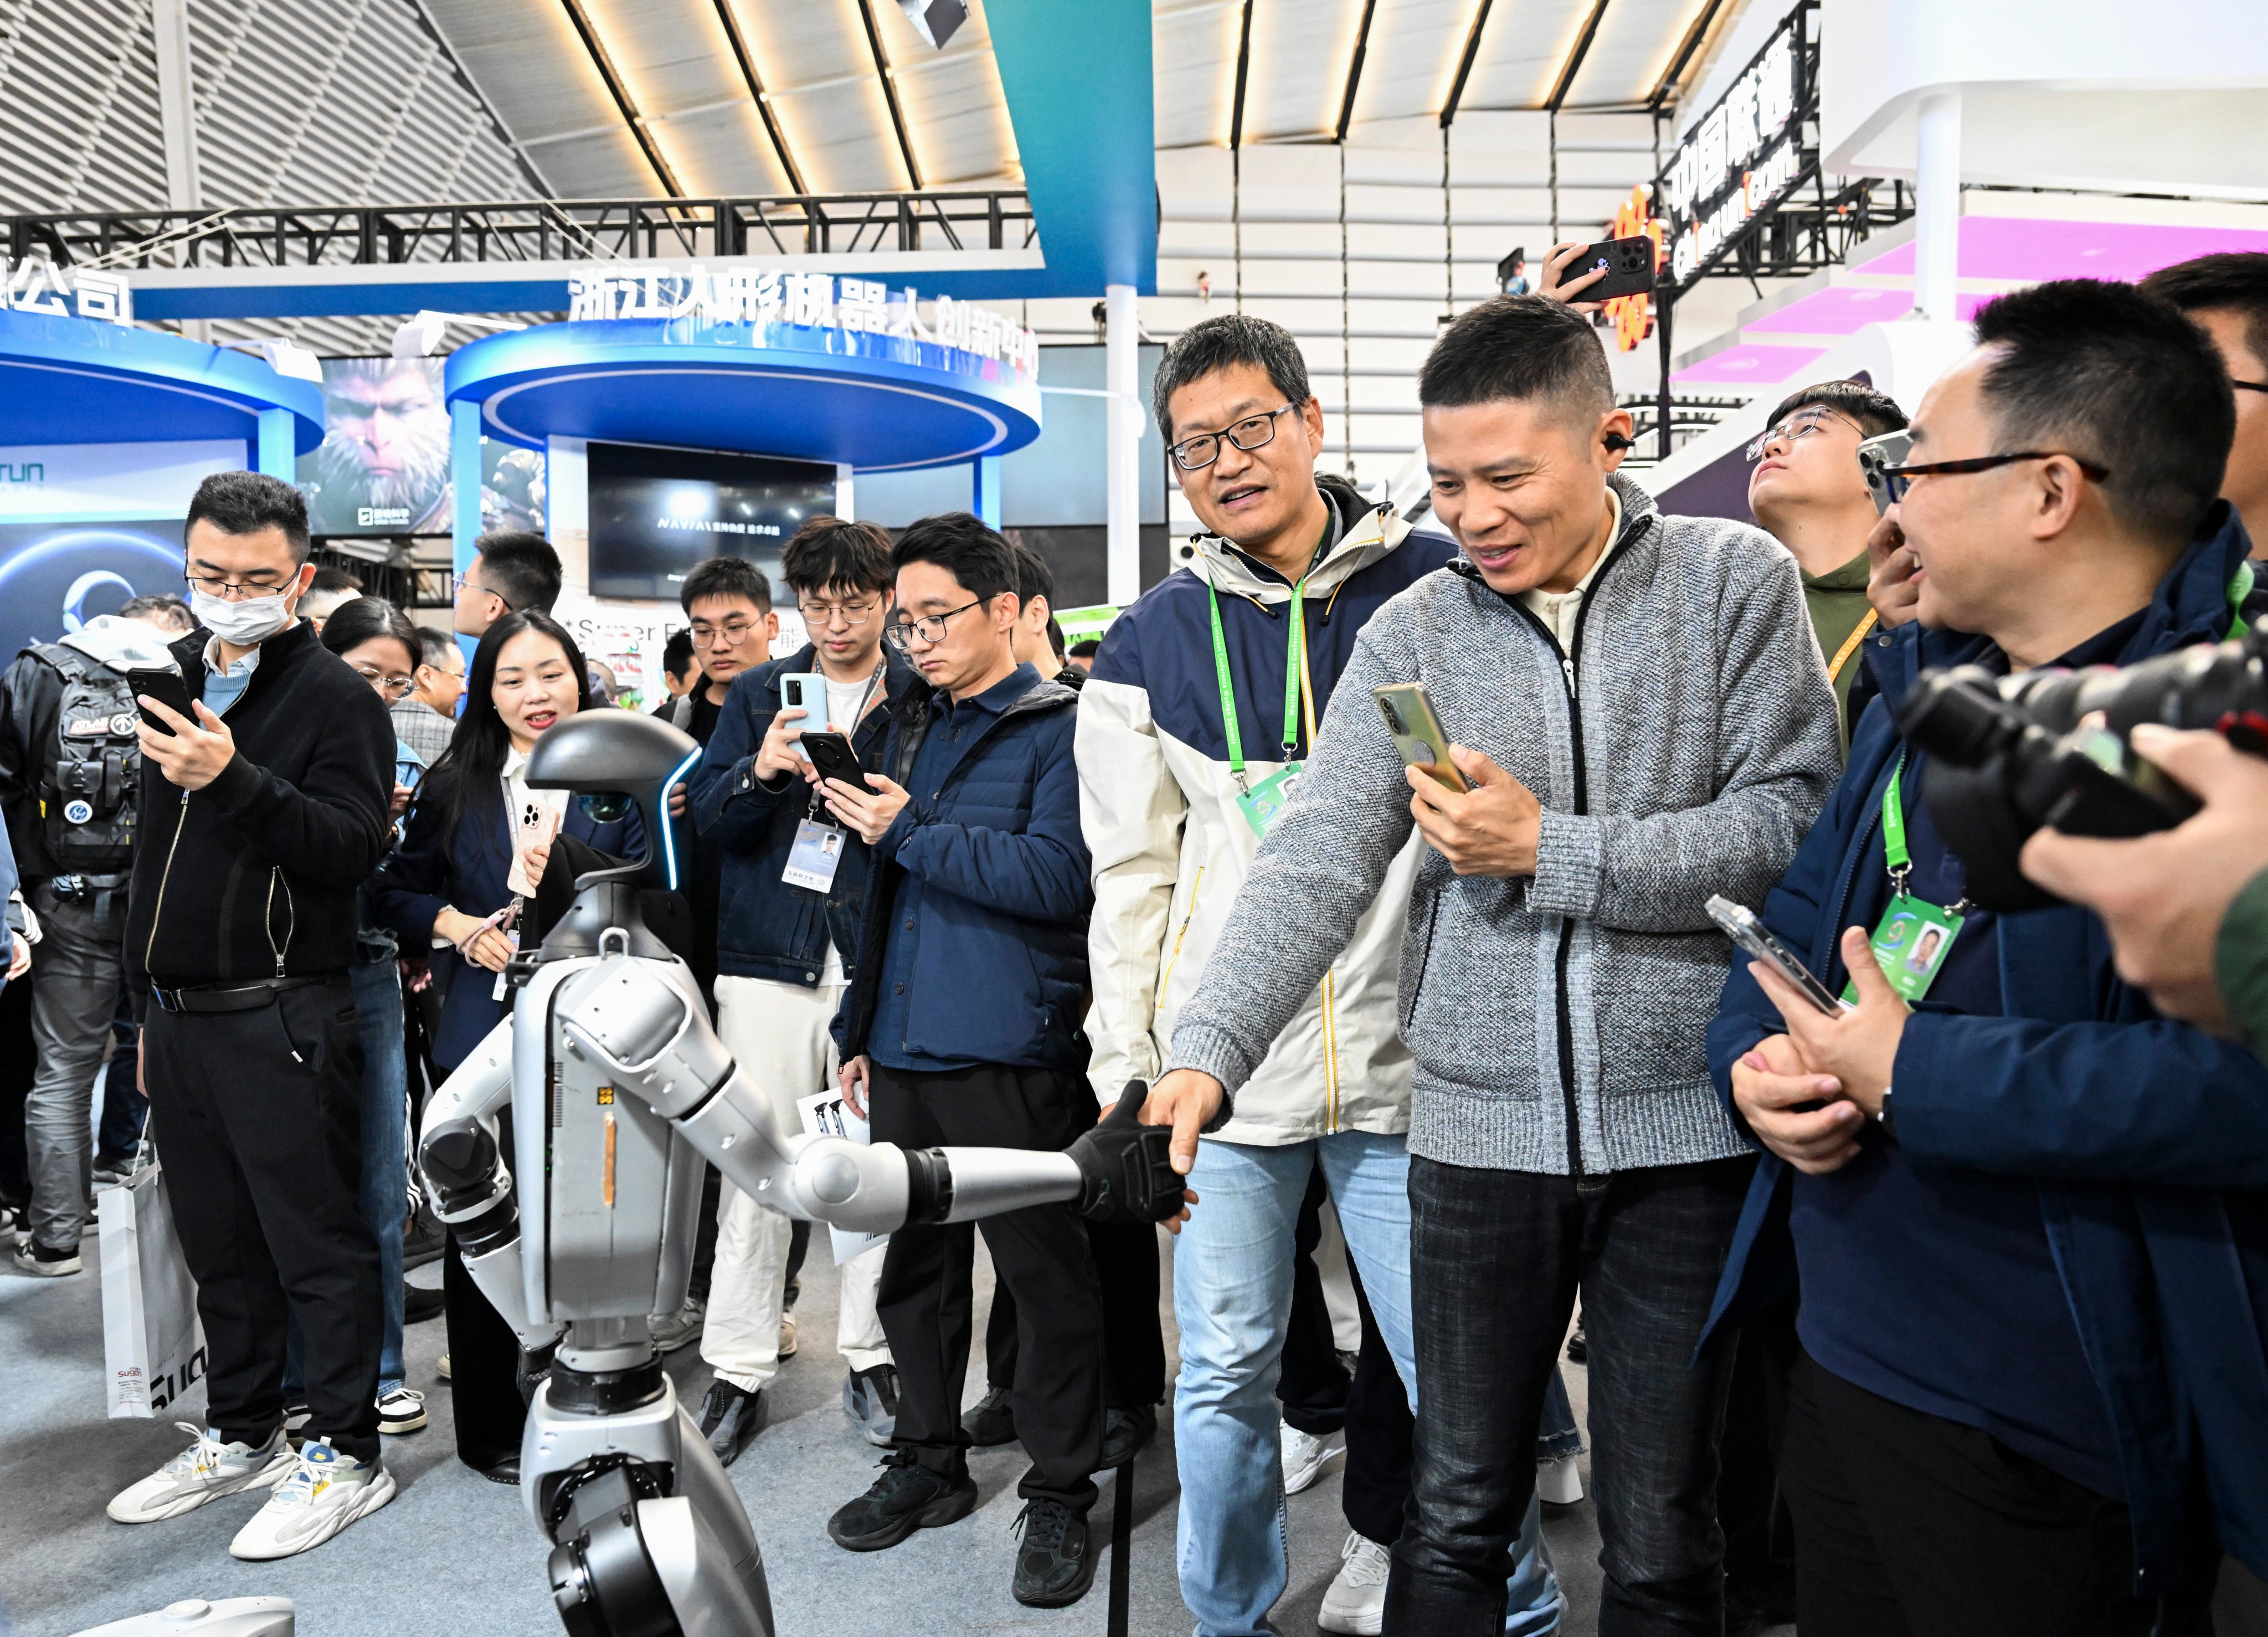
(787, 908)
(961, 1025)
(512, 572)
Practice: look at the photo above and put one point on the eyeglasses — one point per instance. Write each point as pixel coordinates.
(1900, 479)
(733, 633)
(392, 687)
(852, 614)
(465, 581)
(1192, 454)
(230, 591)
(2249, 386)
(930, 628)
(1798, 426)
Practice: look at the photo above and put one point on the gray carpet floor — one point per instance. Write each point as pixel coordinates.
(453, 1554)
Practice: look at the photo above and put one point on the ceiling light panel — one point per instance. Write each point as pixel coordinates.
(529, 63)
(1414, 47)
(1193, 69)
(1299, 50)
(1523, 49)
(675, 60)
(1636, 41)
(820, 75)
(956, 113)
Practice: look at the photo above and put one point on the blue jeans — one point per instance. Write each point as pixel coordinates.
(385, 1155)
(1233, 1300)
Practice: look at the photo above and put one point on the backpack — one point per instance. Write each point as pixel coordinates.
(87, 787)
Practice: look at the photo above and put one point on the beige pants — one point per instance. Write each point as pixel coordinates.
(778, 1033)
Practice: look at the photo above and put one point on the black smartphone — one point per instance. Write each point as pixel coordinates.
(831, 753)
(168, 689)
(1629, 264)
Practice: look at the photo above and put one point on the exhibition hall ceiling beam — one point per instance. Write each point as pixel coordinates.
(619, 92)
(747, 64)
(1243, 78)
(1557, 94)
(1354, 71)
(890, 92)
(1666, 84)
(1465, 63)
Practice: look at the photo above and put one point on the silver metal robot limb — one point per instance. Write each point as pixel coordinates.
(622, 1017)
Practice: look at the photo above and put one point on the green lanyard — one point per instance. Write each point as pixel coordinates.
(1294, 657)
(1894, 829)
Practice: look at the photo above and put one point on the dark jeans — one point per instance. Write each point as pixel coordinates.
(1496, 1261)
(1133, 1336)
(123, 1106)
(259, 1125)
(1040, 1253)
(1910, 1524)
(19, 1060)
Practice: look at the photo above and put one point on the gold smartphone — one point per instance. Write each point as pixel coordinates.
(1408, 712)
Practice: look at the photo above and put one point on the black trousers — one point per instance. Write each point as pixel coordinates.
(1041, 1255)
(483, 1356)
(1133, 1337)
(259, 1122)
(1910, 1525)
(1759, 1537)
(19, 1060)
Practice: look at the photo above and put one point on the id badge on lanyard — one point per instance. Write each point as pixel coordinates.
(815, 856)
(1263, 803)
(1914, 935)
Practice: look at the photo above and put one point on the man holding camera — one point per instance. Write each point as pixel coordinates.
(1641, 721)
(2004, 1345)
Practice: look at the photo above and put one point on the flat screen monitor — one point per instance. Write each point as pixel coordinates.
(383, 465)
(657, 512)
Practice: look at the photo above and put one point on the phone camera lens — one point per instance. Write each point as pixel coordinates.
(1393, 717)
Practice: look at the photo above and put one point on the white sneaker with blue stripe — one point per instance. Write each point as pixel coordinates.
(206, 1470)
(328, 1491)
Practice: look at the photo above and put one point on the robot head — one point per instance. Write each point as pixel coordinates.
(614, 761)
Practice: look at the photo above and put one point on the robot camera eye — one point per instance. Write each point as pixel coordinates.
(606, 806)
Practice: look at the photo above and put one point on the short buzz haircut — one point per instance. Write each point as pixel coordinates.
(827, 551)
(1518, 347)
(978, 556)
(159, 609)
(726, 576)
(1874, 412)
(1033, 576)
(2104, 372)
(433, 646)
(677, 655)
(2235, 281)
(246, 502)
(1223, 343)
(521, 568)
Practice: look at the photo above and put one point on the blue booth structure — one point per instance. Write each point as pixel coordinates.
(105, 430)
(861, 383)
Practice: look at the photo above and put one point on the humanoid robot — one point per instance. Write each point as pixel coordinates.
(617, 1089)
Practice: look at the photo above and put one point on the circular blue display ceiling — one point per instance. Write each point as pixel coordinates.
(73, 380)
(875, 402)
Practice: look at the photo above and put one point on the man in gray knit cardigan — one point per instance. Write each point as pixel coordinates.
(1643, 714)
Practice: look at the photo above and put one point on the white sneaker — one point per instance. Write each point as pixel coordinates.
(1308, 1459)
(401, 1410)
(1557, 1483)
(672, 1331)
(441, 1367)
(325, 1492)
(1356, 1600)
(206, 1470)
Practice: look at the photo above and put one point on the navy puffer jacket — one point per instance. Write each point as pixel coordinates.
(1001, 972)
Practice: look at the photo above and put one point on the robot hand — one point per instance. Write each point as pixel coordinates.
(1126, 1169)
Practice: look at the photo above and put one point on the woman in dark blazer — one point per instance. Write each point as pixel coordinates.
(441, 889)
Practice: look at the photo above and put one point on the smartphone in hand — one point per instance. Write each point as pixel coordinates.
(831, 753)
(1417, 732)
(168, 688)
(1740, 923)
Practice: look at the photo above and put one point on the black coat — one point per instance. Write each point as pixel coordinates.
(255, 875)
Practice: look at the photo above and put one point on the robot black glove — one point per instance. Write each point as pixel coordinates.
(1126, 1168)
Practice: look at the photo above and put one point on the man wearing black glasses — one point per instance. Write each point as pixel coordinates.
(2025, 1309)
(512, 572)
(962, 1024)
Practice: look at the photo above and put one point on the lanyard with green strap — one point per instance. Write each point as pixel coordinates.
(1261, 803)
(1914, 935)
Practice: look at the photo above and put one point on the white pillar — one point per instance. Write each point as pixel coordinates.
(1937, 205)
(1122, 472)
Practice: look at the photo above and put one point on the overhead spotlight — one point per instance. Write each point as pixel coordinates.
(935, 20)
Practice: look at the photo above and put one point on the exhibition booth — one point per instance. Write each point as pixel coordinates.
(683, 416)
(105, 430)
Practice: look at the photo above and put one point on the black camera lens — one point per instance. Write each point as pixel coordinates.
(1393, 716)
(606, 806)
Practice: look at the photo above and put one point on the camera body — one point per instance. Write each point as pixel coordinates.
(2050, 747)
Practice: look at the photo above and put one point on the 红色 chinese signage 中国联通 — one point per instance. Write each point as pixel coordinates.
(710, 296)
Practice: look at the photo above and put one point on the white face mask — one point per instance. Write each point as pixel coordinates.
(247, 624)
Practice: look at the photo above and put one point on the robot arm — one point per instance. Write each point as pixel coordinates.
(620, 1015)
(471, 1188)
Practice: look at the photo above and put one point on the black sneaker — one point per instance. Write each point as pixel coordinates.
(870, 1397)
(419, 1303)
(993, 1420)
(1579, 1346)
(424, 1243)
(45, 1260)
(1053, 1566)
(111, 1168)
(730, 1417)
(906, 1497)
(1125, 1434)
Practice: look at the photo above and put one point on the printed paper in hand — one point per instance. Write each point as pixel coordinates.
(825, 1114)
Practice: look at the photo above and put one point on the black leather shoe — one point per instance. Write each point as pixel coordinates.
(1579, 1346)
(730, 1419)
(993, 1420)
(906, 1497)
(1125, 1434)
(419, 1305)
(505, 1472)
(1054, 1568)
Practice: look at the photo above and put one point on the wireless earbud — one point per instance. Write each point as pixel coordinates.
(1615, 440)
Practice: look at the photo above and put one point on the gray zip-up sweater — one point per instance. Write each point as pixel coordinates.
(1683, 751)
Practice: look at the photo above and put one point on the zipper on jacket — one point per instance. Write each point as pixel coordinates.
(268, 918)
(1564, 1011)
(157, 910)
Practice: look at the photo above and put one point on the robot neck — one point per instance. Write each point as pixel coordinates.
(598, 906)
